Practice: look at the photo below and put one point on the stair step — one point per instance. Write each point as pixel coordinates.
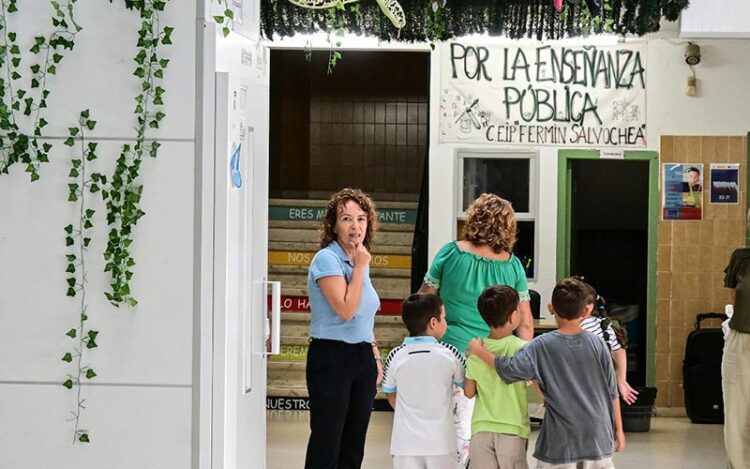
(322, 203)
(302, 270)
(299, 391)
(305, 317)
(383, 344)
(314, 246)
(398, 286)
(383, 334)
(297, 235)
(315, 225)
(389, 330)
(384, 294)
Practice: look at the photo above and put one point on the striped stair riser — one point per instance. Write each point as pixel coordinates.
(396, 216)
(291, 360)
(301, 304)
(303, 269)
(386, 287)
(277, 255)
(297, 235)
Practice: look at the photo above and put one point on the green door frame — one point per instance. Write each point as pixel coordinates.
(564, 182)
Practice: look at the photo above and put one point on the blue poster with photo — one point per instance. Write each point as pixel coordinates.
(682, 191)
(725, 183)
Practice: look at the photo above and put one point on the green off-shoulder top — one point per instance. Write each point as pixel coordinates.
(460, 278)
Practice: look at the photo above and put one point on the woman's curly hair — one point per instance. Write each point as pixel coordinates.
(338, 200)
(491, 221)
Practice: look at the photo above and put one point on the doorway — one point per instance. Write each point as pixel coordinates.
(608, 234)
(364, 125)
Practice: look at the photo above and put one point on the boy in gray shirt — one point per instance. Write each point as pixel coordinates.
(582, 425)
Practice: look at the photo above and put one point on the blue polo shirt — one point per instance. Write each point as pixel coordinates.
(325, 323)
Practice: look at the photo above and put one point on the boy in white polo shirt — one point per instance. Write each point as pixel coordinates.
(418, 380)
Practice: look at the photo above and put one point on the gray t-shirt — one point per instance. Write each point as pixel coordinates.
(576, 376)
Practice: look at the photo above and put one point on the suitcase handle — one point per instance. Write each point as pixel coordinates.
(703, 316)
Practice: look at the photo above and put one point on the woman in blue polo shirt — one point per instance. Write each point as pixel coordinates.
(343, 361)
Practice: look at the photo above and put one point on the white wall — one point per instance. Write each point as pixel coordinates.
(716, 18)
(138, 410)
(719, 108)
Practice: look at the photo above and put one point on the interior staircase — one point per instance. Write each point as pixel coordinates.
(293, 241)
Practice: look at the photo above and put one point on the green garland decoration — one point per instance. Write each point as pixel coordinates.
(514, 19)
(123, 195)
(16, 144)
(77, 238)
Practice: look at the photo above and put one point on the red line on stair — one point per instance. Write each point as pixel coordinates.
(301, 304)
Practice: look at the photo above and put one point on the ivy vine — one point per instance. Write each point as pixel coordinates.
(226, 19)
(123, 195)
(77, 238)
(17, 145)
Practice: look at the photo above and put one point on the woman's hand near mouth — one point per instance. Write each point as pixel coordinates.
(360, 256)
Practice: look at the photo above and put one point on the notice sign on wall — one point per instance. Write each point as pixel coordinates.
(725, 183)
(543, 95)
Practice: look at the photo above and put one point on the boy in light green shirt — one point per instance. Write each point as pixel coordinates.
(500, 423)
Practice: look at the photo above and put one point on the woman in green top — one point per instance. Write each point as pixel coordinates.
(462, 270)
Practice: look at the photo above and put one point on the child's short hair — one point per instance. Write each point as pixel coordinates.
(418, 309)
(569, 298)
(496, 304)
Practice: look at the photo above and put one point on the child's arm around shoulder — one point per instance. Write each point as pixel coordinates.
(519, 367)
(476, 347)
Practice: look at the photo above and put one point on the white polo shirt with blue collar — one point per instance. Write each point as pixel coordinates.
(324, 322)
(422, 372)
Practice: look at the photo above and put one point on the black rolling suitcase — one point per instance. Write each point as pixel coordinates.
(701, 372)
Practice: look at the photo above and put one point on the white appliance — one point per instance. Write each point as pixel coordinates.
(236, 336)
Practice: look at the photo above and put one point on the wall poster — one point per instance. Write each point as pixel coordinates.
(543, 94)
(725, 183)
(682, 189)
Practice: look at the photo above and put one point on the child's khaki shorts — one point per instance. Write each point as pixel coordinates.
(492, 450)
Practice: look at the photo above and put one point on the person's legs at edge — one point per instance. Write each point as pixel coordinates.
(361, 398)
(735, 377)
(328, 385)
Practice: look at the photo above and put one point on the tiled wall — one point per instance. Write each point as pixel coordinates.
(363, 125)
(377, 143)
(691, 258)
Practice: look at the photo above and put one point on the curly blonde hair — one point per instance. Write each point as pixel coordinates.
(491, 221)
(338, 200)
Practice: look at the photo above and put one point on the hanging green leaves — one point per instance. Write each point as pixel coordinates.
(226, 19)
(21, 120)
(123, 194)
(83, 183)
(438, 20)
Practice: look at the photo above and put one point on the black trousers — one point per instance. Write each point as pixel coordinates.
(341, 382)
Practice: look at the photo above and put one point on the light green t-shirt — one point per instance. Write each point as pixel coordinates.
(460, 278)
(500, 407)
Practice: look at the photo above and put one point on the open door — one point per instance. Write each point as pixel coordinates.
(607, 233)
